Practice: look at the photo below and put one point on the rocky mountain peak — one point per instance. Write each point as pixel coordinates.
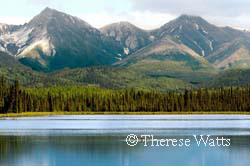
(130, 37)
(48, 9)
(185, 21)
(189, 17)
(122, 26)
(126, 24)
(53, 17)
(43, 17)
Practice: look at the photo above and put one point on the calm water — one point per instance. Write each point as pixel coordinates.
(100, 141)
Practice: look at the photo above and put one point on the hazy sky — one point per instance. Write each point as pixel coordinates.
(146, 14)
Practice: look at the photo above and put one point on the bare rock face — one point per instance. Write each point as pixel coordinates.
(234, 54)
(54, 40)
(130, 37)
(224, 47)
(196, 33)
(221, 46)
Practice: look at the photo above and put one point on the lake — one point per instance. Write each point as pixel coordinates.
(101, 140)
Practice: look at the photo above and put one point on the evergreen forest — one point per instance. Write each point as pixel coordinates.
(17, 99)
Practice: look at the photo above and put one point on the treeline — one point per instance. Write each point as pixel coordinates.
(15, 99)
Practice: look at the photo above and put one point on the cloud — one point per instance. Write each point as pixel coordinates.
(145, 19)
(241, 21)
(15, 20)
(228, 8)
(147, 14)
(39, 2)
(234, 13)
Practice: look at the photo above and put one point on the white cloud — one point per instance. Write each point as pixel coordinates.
(240, 22)
(231, 8)
(144, 19)
(40, 2)
(151, 14)
(15, 20)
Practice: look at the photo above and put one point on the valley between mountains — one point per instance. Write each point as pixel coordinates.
(55, 48)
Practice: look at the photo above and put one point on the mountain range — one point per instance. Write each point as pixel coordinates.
(188, 50)
(53, 40)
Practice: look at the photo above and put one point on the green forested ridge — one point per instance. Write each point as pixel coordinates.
(236, 77)
(102, 76)
(143, 76)
(15, 99)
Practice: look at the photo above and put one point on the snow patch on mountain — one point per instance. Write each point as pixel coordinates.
(2, 49)
(181, 27)
(211, 45)
(197, 26)
(152, 38)
(72, 19)
(19, 37)
(204, 31)
(126, 51)
(119, 58)
(172, 30)
(3, 27)
(203, 53)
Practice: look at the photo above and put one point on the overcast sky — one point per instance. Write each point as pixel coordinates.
(147, 14)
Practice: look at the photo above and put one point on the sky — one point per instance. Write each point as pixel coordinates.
(147, 14)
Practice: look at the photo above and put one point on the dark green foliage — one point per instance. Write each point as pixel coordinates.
(145, 76)
(236, 77)
(14, 99)
(195, 64)
(102, 76)
(33, 64)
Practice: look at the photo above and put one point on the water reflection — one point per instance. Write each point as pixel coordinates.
(113, 151)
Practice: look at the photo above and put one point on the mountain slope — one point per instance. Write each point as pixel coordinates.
(171, 59)
(120, 78)
(234, 54)
(12, 69)
(130, 37)
(53, 40)
(224, 47)
(235, 77)
(105, 77)
(196, 33)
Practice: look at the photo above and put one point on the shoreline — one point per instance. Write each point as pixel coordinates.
(37, 114)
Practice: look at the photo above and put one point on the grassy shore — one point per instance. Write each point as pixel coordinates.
(36, 114)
